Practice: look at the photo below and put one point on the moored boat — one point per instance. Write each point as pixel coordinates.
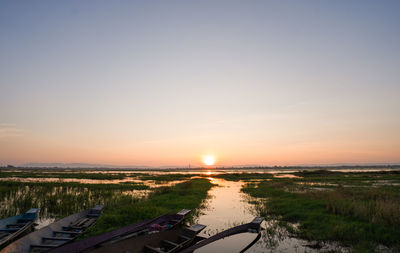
(169, 241)
(55, 234)
(16, 226)
(252, 227)
(160, 223)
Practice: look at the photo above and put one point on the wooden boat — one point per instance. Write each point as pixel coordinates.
(253, 227)
(176, 241)
(169, 241)
(160, 223)
(14, 227)
(55, 234)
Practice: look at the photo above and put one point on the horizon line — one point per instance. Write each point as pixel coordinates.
(107, 166)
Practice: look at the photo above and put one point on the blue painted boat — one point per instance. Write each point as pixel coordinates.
(57, 233)
(16, 226)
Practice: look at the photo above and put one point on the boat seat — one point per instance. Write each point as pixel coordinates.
(57, 238)
(93, 215)
(185, 238)
(69, 228)
(90, 222)
(44, 246)
(152, 249)
(170, 246)
(87, 222)
(170, 243)
(79, 222)
(66, 232)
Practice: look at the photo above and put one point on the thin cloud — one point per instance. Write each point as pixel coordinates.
(10, 130)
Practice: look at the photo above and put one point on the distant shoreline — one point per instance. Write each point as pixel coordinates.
(266, 168)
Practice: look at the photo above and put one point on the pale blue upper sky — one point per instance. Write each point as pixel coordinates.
(165, 82)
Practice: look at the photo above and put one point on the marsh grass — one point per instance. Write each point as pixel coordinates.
(59, 199)
(353, 213)
(375, 205)
(187, 195)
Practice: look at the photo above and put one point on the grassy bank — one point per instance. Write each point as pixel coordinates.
(125, 211)
(58, 199)
(357, 215)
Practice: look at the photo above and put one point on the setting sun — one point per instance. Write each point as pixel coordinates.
(209, 160)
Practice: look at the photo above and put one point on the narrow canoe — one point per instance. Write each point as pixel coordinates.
(55, 234)
(169, 241)
(14, 227)
(253, 227)
(163, 222)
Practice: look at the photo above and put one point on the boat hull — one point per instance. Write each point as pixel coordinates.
(23, 225)
(124, 232)
(169, 241)
(34, 242)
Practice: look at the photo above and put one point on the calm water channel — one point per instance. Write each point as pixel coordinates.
(229, 207)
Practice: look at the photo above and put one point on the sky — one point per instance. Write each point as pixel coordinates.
(164, 83)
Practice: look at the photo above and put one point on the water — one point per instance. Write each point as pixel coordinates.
(228, 207)
(150, 183)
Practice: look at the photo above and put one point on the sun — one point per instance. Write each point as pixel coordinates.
(209, 160)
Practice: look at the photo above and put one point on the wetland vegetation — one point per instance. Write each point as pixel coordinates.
(321, 206)
(58, 199)
(187, 195)
(358, 210)
(125, 202)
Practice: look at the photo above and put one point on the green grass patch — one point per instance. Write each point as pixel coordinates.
(125, 211)
(58, 199)
(318, 219)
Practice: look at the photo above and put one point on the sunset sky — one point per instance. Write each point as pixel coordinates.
(165, 83)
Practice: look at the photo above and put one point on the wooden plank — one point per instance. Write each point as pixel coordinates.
(57, 238)
(44, 246)
(170, 243)
(66, 232)
(154, 249)
(258, 220)
(184, 237)
(69, 228)
(183, 212)
(196, 228)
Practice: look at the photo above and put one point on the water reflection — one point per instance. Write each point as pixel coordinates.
(228, 207)
(150, 183)
(286, 176)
